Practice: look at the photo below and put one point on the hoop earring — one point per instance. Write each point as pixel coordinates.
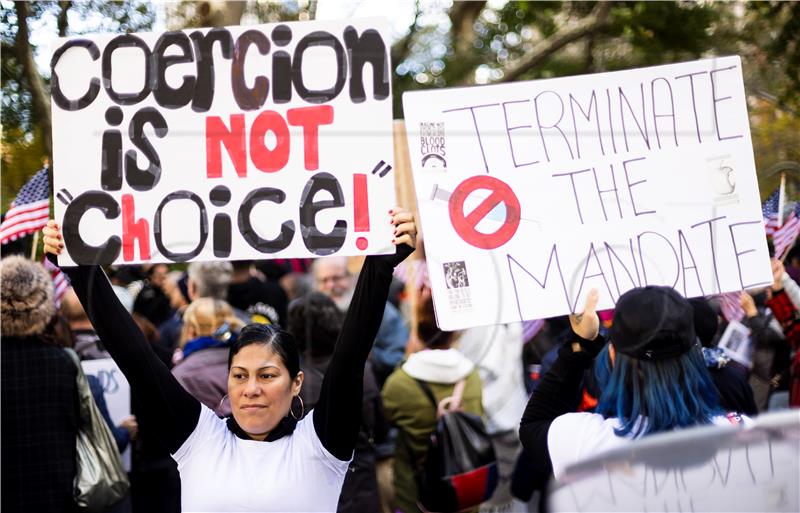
(219, 406)
(302, 409)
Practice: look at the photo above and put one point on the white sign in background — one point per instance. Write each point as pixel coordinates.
(532, 193)
(296, 113)
(116, 391)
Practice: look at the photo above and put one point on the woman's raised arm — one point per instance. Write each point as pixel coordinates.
(337, 415)
(164, 400)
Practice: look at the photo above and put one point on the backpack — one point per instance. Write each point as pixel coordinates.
(460, 470)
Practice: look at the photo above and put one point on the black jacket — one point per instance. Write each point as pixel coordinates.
(39, 401)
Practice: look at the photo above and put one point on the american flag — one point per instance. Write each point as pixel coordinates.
(770, 212)
(60, 281)
(730, 305)
(784, 237)
(29, 211)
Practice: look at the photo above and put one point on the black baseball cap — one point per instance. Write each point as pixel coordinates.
(653, 323)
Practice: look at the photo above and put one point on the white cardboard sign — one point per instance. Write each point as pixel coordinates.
(532, 193)
(231, 143)
(116, 391)
(708, 469)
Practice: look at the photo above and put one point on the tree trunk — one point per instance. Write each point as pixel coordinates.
(63, 23)
(39, 96)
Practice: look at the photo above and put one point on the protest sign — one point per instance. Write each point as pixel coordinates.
(116, 392)
(710, 469)
(227, 143)
(735, 340)
(532, 193)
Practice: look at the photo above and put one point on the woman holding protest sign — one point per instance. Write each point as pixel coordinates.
(261, 458)
(652, 376)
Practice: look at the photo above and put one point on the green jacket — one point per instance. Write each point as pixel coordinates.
(407, 407)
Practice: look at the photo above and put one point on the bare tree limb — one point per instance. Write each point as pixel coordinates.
(462, 17)
(598, 20)
(63, 23)
(39, 97)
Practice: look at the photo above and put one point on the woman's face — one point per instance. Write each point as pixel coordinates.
(260, 389)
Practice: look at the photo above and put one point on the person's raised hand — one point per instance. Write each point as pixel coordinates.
(587, 324)
(777, 274)
(51, 235)
(748, 304)
(405, 228)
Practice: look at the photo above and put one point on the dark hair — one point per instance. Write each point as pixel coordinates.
(315, 322)
(280, 342)
(427, 330)
(705, 321)
(58, 333)
(670, 393)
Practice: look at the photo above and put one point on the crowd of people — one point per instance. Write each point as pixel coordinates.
(299, 385)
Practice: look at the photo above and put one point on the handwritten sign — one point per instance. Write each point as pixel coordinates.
(699, 469)
(116, 391)
(227, 143)
(532, 193)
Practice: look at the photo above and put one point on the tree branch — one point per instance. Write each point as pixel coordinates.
(39, 97)
(598, 20)
(462, 17)
(63, 23)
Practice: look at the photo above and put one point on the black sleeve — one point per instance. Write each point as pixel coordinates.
(558, 393)
(337, 415)
(165, 400)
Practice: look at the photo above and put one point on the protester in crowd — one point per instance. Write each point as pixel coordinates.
(38, 396)
(89, 347)
(652, 376)
(205, 279)
(87, 343)
(201, 361)
(497, 353)
(332, 278)
(263, 300)
(730, 376)
(769, 351)
(784, 301)
(261, 457)
(152, 300)
(440, 367)
(315, 322)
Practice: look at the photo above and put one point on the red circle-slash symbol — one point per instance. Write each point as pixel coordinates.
(500, 192)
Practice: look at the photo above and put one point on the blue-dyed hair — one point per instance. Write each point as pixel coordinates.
(670, 393)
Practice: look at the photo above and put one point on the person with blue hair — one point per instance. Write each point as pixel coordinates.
(651, 375)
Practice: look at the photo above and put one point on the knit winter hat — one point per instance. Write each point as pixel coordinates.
(26, 297)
